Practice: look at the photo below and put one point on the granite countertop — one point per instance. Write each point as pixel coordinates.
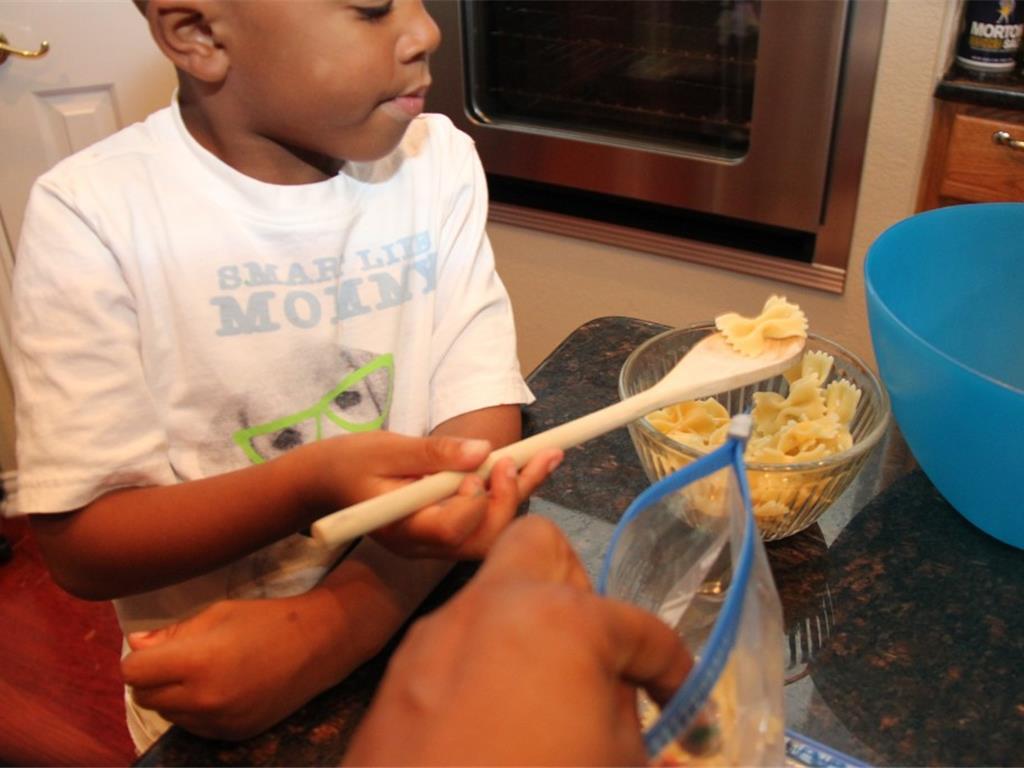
(904, 623)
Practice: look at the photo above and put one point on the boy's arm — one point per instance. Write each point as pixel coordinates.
(242, 665)
(137, 539)
(403, 583)
(500, 424)
(393, 586)
(388, 588)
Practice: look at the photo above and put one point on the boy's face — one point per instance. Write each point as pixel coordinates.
(340, 79)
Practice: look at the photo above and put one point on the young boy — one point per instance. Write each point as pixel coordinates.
(212, 305)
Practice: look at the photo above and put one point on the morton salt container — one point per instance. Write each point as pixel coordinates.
(990, 38)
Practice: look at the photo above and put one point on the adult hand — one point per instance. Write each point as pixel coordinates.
(524, 666)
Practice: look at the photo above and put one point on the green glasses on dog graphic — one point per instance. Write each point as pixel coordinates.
(360, 402)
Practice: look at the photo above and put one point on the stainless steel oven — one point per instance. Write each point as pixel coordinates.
(732, 128)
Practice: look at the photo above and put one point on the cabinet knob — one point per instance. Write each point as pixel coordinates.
(1004, 138)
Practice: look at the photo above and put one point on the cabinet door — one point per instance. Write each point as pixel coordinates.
(980, 170)
(966, 164)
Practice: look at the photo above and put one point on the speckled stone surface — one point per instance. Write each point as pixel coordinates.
(925, 663)
(602, 476)
(904, 624)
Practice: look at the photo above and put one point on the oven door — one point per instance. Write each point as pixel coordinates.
(728, 114)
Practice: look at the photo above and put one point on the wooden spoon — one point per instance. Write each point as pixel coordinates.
(710, 367)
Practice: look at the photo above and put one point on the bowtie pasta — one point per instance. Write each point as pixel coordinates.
(807, 423)
(779, 319)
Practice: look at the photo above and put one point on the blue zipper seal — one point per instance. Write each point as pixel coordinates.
(687, 702)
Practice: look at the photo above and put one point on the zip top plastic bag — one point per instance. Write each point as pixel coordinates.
(687, 549)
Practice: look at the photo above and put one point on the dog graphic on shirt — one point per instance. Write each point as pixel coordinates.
(297, 402)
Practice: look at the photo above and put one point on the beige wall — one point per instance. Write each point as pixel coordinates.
(557, 283)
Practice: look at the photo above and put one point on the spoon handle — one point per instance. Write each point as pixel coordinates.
(366, 516)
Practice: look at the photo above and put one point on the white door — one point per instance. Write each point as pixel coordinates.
(102, 72)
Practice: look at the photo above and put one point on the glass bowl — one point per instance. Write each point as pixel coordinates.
(787, 497)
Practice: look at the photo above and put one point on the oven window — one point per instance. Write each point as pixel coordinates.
(675, 75)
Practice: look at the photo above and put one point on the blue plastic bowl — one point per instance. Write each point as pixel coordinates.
(945, 299)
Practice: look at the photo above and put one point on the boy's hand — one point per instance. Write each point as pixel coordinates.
(465, 525)
(231, 671)
(524, 666)
(349, 469)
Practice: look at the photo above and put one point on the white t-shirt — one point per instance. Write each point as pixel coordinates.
(175, 319)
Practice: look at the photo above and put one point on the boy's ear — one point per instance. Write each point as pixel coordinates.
(187, 33)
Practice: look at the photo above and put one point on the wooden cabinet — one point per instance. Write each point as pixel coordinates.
(965, 164)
